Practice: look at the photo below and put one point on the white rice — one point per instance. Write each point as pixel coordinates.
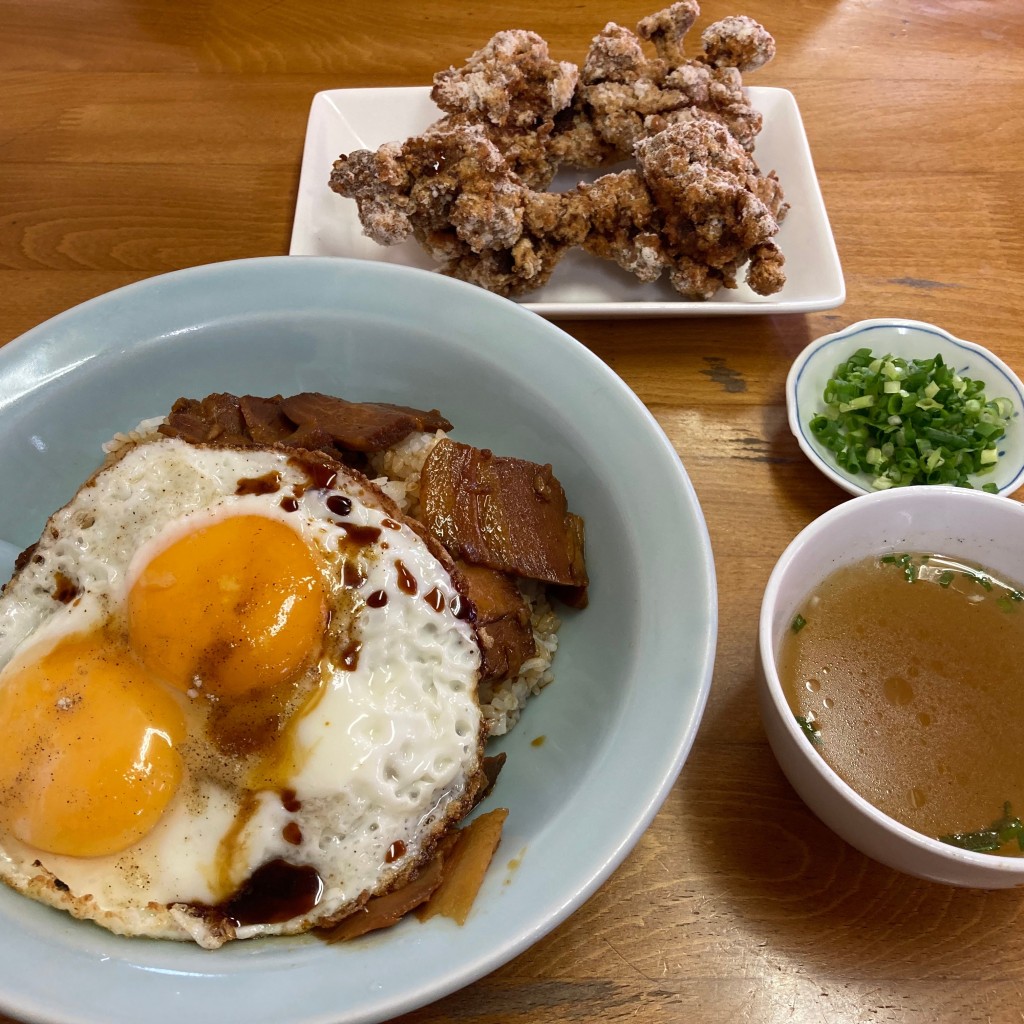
(146, 429)
(502, 704)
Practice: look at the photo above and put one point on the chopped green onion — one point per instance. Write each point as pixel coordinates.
(987, 840)
(798, 623)
(810, 729)
(910, 421)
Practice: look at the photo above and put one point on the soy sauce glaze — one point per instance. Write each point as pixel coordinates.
(268, 483)
(353, 574)
(406, 581)
(339, 505)
(275, 892)
(361, 535)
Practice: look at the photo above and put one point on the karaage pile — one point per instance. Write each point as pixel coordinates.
(694, 204)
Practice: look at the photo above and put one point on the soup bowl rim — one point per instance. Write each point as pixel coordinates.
(838, 804)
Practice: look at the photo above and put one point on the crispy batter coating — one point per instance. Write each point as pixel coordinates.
(695, 206)
(627, 97)
(738, 42)
(713, 213)
(470, 188)
(667, 28)
(510, 81)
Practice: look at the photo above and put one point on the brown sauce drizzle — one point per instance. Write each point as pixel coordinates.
(339, 504)
(377, 599)
(275, 892)
(435, 599)
(353, 574)
(395, 850)
(65, 589)
(362, 535)
(406, 581)
(320, 474)
(290, 800)
(390, 524)
(461, 608)
(291, 833)
(290, 504)
(350, 656)
(269, 483)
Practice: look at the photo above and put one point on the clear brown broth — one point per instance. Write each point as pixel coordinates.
(914, 690)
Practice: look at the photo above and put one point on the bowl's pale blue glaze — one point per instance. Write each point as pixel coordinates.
(632, 672)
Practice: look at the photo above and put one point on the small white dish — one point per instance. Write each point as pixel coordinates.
(910, 339)
(326, 224)
(961, 523)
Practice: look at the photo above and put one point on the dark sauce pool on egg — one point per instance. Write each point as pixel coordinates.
(275, 892)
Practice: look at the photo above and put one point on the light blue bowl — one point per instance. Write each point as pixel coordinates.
(910, 339)
(631, 675)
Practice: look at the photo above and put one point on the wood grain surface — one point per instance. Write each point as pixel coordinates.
(138, 136)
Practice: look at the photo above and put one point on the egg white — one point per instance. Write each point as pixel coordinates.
(390, 754)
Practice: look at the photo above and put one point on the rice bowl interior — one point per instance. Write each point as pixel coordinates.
(632, 673)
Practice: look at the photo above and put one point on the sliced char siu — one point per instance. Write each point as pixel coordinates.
(504, 513)
(361, 426)
(310, 420)
(502, 621)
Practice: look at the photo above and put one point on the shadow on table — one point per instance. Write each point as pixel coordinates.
(799, 893)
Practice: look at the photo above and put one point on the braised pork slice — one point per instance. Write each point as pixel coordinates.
(214, 419)
(264, 420)
(384, 911)
(312, 421)
(502, 621)
(503, 513)
(361, 426)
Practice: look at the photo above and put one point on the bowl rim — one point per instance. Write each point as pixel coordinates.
(994, 864)
(852, 484)
(41, 356)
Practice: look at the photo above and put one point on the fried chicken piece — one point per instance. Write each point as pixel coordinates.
(667, 28)
(695, 206)
(449, 186)
(715, 213)
(454, 192)
(738, 42)
(626, 97)
(512, 80)
(514, 90)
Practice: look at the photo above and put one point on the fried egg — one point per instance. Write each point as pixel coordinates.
(237, 696)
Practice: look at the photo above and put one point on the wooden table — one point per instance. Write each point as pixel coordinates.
(138, 136)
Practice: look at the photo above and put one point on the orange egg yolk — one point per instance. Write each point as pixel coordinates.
(88, 763)
(231, 608)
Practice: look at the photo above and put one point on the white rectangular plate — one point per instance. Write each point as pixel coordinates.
(326, 224)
